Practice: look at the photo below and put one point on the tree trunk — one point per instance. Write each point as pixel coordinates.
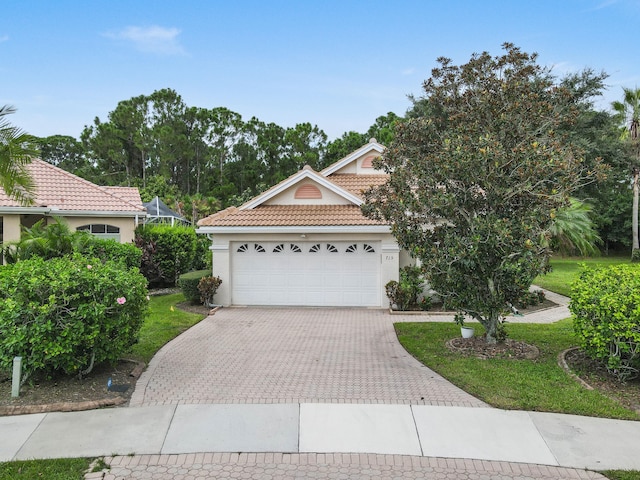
(634, 220)
(492, 327)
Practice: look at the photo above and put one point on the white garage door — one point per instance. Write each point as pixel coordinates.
(306, 273)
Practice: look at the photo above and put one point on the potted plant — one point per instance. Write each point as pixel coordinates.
(466, 332)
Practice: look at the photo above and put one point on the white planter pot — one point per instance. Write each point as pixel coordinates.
(467, 332)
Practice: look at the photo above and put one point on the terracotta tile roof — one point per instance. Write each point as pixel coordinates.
(357, 184)
(289, 215)
(56, 188)
(130, 194)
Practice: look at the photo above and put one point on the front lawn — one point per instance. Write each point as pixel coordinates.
(566, 269)
(539, 385)
(164, 322)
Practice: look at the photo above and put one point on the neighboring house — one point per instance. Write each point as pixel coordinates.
(108, 212)
(306, 242)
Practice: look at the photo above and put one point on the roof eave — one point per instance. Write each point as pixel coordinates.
(210, 230)
(96, 213)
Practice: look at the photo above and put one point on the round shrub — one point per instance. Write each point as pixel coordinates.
(68, 314)
(606, 307)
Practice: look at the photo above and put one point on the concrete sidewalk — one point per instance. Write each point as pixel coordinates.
(399, 430)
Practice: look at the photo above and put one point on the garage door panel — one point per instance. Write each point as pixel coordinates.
(305, 273)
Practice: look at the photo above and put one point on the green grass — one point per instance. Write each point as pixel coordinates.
(539, 385)
(566, 270)
(57, 469)
(164, 322)
(622, 474)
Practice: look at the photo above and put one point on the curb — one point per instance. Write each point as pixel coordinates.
(562, 363)
(61, 407)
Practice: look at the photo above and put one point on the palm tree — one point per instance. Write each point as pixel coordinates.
(628, 112)
(16, 151)
(573, 231)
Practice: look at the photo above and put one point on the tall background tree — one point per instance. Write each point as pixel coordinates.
(477, 176)
(628, 115)
(17, 148)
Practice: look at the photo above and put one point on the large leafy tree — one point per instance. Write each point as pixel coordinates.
(16, 151)
(477, 179)
(628, 114)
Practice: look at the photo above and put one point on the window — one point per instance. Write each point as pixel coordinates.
(295, 248)
(243, 248)
(368, 248)
(331, 248)
(102, 230)
(315, 248)
(259, 248)
(278, 248)
(352, 248)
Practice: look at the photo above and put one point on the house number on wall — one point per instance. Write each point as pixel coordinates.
(389, 257)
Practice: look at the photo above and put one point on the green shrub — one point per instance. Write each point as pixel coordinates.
(58, 240)
(188, 283)
(208, 286)
(68, 314)
(126, 253)
(405, 294)
(606, 308)
(168, 251)
(203, 258)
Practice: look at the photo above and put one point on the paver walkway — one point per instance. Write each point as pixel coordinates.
(293, 355)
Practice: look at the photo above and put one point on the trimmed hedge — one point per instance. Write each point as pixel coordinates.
(605, 303)
(126, 253)
(68, 314)
(168, 252)
(188, 283)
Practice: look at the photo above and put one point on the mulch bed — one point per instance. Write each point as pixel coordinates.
(436, 308)
(67, 393)
(595, 374)
(479, 348)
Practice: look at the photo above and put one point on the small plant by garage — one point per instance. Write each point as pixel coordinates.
(208, 286)
(408, 293)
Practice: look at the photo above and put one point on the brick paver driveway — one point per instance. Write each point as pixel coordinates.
(292, 355)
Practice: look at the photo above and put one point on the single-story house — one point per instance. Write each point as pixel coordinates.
(108, 212)
(305, 241)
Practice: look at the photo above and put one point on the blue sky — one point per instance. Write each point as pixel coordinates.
(337, 64)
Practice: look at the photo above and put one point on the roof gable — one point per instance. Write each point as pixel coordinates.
(286, 189)
(358, 162)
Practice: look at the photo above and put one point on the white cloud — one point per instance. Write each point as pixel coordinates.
(153, 39)
(4, 38)
(408, 71)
